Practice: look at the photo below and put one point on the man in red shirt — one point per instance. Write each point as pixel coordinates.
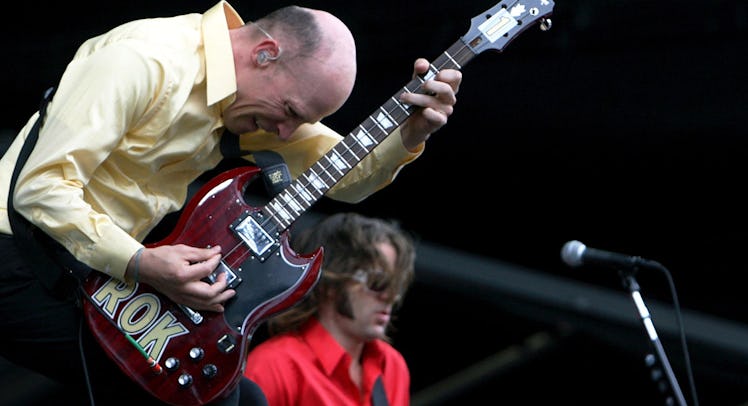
(333, 348)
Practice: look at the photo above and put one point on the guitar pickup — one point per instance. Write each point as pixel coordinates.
(259, 240)
(233, 279)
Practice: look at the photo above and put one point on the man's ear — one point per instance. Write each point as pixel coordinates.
(263, 57)
(266, 55)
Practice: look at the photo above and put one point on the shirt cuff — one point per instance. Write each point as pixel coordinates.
(113, 253)
(392, 148)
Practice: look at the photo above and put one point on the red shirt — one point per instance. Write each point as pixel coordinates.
(309, 367)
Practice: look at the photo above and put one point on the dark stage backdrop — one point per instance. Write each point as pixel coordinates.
(622, 127)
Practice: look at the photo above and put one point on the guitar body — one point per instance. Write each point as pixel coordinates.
(197, 357)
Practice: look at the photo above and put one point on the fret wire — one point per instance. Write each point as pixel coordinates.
(376, 123)
(351, 151)
(291, 202)
(397, 110)
(398, 103)
(308, 198)
(351, 160)
(310, 182)
(332, 162)
(369, 133)
(354, 145)
(388, 107)
(433, 71)
(457, 65)
(313, 179)
(388, 130)
(281, 209)
(358, 148)
(331, 169)
(321, 175)
(286, 206)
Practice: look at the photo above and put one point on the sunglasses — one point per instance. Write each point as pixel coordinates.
(374, 280)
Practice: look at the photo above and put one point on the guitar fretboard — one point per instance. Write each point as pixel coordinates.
(286, 207)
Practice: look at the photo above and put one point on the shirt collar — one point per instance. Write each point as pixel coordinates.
(219, 57)
(324, 346)
(330, 353)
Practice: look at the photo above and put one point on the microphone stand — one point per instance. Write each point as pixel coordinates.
(633, 287)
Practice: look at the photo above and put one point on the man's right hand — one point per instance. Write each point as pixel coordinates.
(180, 272)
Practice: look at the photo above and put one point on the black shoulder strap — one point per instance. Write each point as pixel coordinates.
(46, 256)
(230, 147)
(274, 169)
(378, 396)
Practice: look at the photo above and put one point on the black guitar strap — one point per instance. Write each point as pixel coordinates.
(275, 173)
(53, 264)
(378, 396)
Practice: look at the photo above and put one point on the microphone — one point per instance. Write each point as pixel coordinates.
(576, 254)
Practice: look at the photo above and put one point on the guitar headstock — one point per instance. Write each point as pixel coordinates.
(499, 25)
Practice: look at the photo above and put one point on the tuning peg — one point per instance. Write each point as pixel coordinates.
(545, 24)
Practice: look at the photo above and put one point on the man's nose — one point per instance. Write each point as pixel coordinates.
(286, 129)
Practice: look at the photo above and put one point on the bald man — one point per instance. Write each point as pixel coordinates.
(137, 116)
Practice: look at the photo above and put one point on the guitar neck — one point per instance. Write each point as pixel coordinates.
(493, 29)
(286, 207)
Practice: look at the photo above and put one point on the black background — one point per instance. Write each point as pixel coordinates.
(623, 127)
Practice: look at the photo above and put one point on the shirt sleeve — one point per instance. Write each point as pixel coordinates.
(100, 96)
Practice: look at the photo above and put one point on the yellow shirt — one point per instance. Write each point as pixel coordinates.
(135, 119)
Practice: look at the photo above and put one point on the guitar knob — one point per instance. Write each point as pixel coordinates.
(197, 353)
(210, 370)
(171, 364)
(184, 380)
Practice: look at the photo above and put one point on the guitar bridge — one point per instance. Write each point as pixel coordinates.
(260, 241)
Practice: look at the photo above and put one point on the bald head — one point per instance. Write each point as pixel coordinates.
(318, 47)
(294, 66)
(337, 49)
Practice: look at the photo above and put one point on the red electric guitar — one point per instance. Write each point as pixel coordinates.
(186, 357)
